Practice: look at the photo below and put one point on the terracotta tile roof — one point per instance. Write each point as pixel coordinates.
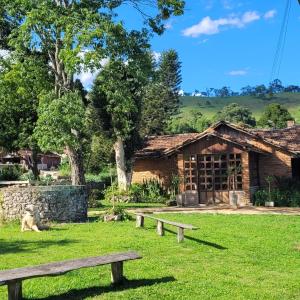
(158, 145)
(288, 139)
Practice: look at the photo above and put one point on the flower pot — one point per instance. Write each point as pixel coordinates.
(269, 204)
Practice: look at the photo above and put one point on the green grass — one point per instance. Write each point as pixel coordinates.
(107, 204)
(229, 257)
(290, 100)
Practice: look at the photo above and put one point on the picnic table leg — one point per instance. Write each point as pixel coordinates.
(14, 290)
(139, 221)
(160, 228)
(180, 235)
(117, 272)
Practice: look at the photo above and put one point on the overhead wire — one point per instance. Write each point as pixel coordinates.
(279, 53)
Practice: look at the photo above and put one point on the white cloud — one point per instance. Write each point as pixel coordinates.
(270, 14)
(87, 77)
(238, 73)
(156, 55)
(204, 41)
(208, 26)
(169, 25)
(250, 16)
(4, 53)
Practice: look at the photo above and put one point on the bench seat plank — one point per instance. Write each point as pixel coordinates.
(59, 268)
(181, 225)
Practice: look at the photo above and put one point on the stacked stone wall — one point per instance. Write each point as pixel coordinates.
(54, 203)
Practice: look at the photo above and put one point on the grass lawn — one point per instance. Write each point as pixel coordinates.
(107, 204)
(229, 257)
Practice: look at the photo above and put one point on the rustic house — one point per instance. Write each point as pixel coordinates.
(223, 164)
(45, 161)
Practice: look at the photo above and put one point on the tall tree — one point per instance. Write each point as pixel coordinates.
(161, 101)
(76, 35)
(62, 125)
(237, 114)
(22, 81)
(117, 94)
(274, 116)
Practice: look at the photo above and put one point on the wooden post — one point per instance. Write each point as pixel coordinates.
(139, 221)
(180, 235)
(160, 228)
(117, 272)
(14, 290)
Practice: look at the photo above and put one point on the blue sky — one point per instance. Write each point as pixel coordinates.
(229, 42)
(226, 42)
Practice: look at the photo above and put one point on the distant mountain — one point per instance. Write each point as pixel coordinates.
(209, 106)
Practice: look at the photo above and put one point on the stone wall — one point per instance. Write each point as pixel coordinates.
(54, 203)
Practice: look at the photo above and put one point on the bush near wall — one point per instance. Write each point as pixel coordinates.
(10, 172)
(286, 192)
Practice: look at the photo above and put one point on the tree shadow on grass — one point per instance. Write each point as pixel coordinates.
(202, 242)
(8, 247)
(79, 294)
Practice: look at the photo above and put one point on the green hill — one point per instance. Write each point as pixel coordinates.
(209, 106)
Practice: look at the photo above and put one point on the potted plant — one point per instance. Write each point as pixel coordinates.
(269, 202)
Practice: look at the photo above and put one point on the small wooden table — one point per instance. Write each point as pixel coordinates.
(13, 278)
(160, 225)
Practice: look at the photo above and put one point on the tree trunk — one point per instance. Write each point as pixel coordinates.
(34, 167)
(120, 163)
(77, 169)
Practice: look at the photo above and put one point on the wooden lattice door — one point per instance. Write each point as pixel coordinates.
(217, 175)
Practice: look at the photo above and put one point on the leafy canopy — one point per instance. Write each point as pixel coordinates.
(22, 81)
(237, 114)
(61, 121)
(274, 116)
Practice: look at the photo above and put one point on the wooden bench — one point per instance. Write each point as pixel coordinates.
(160, 225)
(13, 278)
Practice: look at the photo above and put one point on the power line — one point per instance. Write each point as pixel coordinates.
(281, 42)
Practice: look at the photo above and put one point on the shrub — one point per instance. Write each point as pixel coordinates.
(286, 192)
(94, 198)
(64, 167)
(10, 172)
(117, 211)
(150, 191)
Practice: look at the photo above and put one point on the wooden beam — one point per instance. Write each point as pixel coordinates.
(139, 221)
(117, 272)
(180, 234)
(14, 290)
(160, 228)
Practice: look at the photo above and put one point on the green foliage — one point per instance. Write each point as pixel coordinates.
(100, 154)
(116, 95)
(196, 122)
(95, 196)
(275, 116)
(10, 172)
(22, 80)
(161, 97)
(234, 113)
(64, 167)
(117, 211)
(151, 191)
(285, 192)
(28, 176)
(61, 123)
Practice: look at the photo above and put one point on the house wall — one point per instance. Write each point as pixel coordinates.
(215, 145)
(155, 168)
(275, 162)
